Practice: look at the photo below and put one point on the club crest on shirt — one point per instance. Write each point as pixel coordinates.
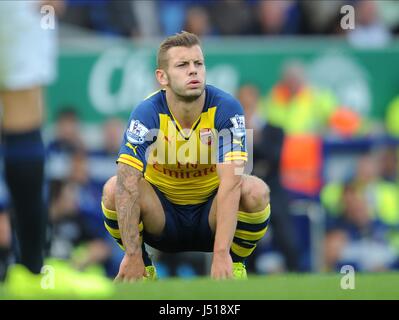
(206, 136)
(238, 128)
(136, 132)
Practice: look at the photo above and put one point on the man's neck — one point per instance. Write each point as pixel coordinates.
(185, 113)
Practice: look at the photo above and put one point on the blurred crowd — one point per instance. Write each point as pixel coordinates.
(301, 135)
(376, 21)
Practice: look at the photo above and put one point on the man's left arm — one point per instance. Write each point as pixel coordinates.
(227, 204)
(232, 156)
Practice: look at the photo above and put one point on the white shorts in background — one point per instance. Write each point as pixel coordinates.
(28, 53)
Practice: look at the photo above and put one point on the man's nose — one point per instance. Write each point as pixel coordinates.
(192, 68)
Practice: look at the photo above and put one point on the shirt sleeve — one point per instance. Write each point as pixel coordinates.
(230, 124)
(139, 135)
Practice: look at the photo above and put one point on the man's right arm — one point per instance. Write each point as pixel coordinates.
(131, 165)
(128, 210)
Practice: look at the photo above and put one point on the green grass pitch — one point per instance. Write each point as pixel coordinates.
(272, 287)
(288, 286)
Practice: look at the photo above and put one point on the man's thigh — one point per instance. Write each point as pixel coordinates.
(151, 209)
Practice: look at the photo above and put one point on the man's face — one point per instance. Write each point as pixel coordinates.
(185, 72)
(67, 128)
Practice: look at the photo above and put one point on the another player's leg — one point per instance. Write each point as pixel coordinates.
(5, 242)
(24, 170)
(152, 216)
(252, 222)
(24, 174)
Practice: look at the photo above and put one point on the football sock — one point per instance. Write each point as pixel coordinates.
(24, 175)
(251, 227)
(111, 224)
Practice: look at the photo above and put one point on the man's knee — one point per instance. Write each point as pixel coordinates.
(255, 194)
(109, 189)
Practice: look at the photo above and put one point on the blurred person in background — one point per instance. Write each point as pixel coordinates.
(71, 239)
(319, 17)
(380, 193)
(267, 143)
(102, 160)
(356, 238)
(67, 131)
(231, 17)
(275, 18)
(369, 31)
(27, 64)
(95, 246)
(67, 140)
(110, 18)
(372, 179)
(172, 14)
(389, 164)
(147, 16)
(175, 16)
(295, 105)
(303, 112)
(197, 21)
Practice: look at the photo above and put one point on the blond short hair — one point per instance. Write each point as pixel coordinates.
(182, 39)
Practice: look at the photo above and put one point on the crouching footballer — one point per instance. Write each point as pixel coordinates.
(179, 184)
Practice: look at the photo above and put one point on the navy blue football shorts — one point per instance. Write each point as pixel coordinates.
(186, 227)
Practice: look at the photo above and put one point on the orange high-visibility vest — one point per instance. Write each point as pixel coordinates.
(301, 163)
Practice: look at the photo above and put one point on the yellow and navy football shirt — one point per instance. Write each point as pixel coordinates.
(181, 163)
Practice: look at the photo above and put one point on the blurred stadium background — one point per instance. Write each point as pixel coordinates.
(334, 93)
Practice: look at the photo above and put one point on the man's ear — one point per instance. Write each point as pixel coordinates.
(162, 77)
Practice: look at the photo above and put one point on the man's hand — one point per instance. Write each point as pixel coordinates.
(131, 269)
(222, 266)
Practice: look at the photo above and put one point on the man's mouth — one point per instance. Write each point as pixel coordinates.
(194, 83)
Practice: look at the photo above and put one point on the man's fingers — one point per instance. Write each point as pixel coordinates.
(223, 275)
(117, 279)
(123, 279)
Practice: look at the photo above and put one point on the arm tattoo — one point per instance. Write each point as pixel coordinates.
(127, 207)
